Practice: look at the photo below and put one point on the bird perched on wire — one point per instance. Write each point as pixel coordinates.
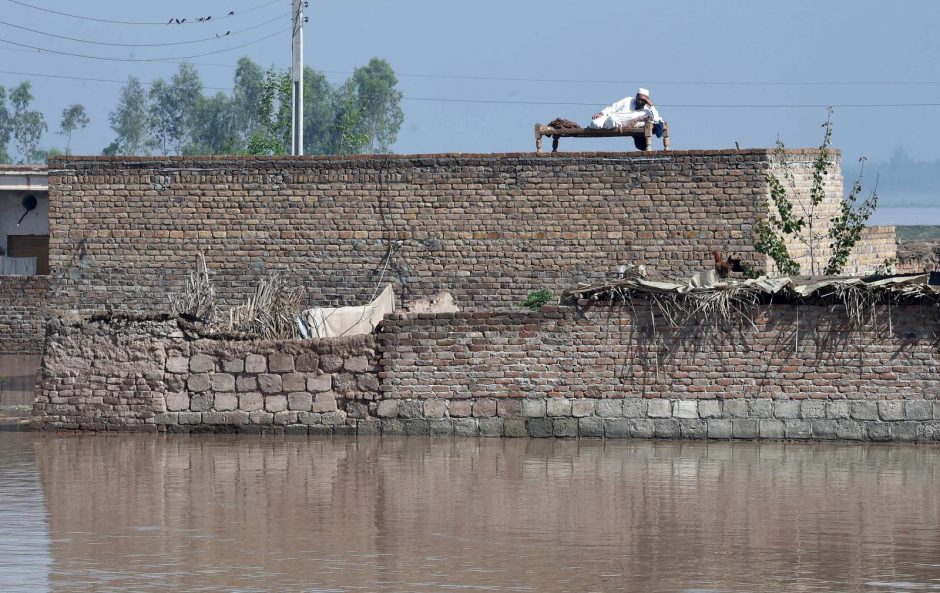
(722, 267)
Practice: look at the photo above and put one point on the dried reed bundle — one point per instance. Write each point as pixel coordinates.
(197, 300)
(270, 312)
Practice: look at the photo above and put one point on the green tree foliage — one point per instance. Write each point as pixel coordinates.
(162, 117)
(215, 127)
(847, 226)
(349, 135)
(175, 117)
(28, 125)
(187, 92)
(319, 112)
(129, 120)
(175, 110)
(246, 97)
(844, 229)
(74, 118)
(380, 102)
(6, 126)
(538, 298)
(274, 115)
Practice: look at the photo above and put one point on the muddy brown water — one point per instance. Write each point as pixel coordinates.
(206, 514)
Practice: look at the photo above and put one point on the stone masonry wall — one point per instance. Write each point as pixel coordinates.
(23, 305)
(150, 376)
(489, 228)
(800, 372)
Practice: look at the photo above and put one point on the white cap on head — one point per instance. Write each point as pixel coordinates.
(644, 92)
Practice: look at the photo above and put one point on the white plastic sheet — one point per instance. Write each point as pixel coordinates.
(333, 322)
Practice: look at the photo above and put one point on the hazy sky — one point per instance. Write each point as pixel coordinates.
(704, 61)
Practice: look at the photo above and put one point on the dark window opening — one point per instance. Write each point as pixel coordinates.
(31, 246)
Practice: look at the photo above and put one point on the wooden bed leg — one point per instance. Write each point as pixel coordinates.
(648, 132)
(554, 143)
(538, 138)
(665, 136)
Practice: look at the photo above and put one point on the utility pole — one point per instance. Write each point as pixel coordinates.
(297, 72)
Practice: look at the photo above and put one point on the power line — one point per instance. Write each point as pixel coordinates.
(655, 82)
(215, 38)
(573, 81)
(88, 79)
(112, 59)
(675, 105)
(562, 103)
(116, 22)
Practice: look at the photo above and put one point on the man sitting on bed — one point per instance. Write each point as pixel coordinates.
(628, 113)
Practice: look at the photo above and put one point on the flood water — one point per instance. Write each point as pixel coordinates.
(148, 513)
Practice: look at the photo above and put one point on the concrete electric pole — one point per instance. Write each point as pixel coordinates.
(297, 72)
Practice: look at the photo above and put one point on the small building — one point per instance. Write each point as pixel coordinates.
(24, 220)
(24, 280)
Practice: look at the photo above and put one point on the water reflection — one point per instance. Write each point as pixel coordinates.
(24, 534)
(144, 513)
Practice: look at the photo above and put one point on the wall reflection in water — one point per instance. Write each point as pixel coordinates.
(147, 513)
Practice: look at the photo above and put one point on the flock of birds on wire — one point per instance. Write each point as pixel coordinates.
(201, 19)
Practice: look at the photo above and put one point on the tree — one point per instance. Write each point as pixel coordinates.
(129, 120)
(349, 135)
(187, 92)
(6, 126)
(843, 230)
(380, 102)
(246, 97)
(28, 125)
(163, 117)
(174, 110)
(73, 117)
(319, 112)
(216, 129)
(274, 115)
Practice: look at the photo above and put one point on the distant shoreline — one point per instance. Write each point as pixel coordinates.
(918, 233)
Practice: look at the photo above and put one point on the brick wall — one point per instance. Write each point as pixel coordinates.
(792, 352)
(800, 372)
(489, 228)
(22, 313)
(877, 247)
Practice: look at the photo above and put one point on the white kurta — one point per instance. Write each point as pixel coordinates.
(623, 111)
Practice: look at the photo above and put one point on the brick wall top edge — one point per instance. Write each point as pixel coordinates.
(71, 161)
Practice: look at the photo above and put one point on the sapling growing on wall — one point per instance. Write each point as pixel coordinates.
(538, 298)
(807, 225)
